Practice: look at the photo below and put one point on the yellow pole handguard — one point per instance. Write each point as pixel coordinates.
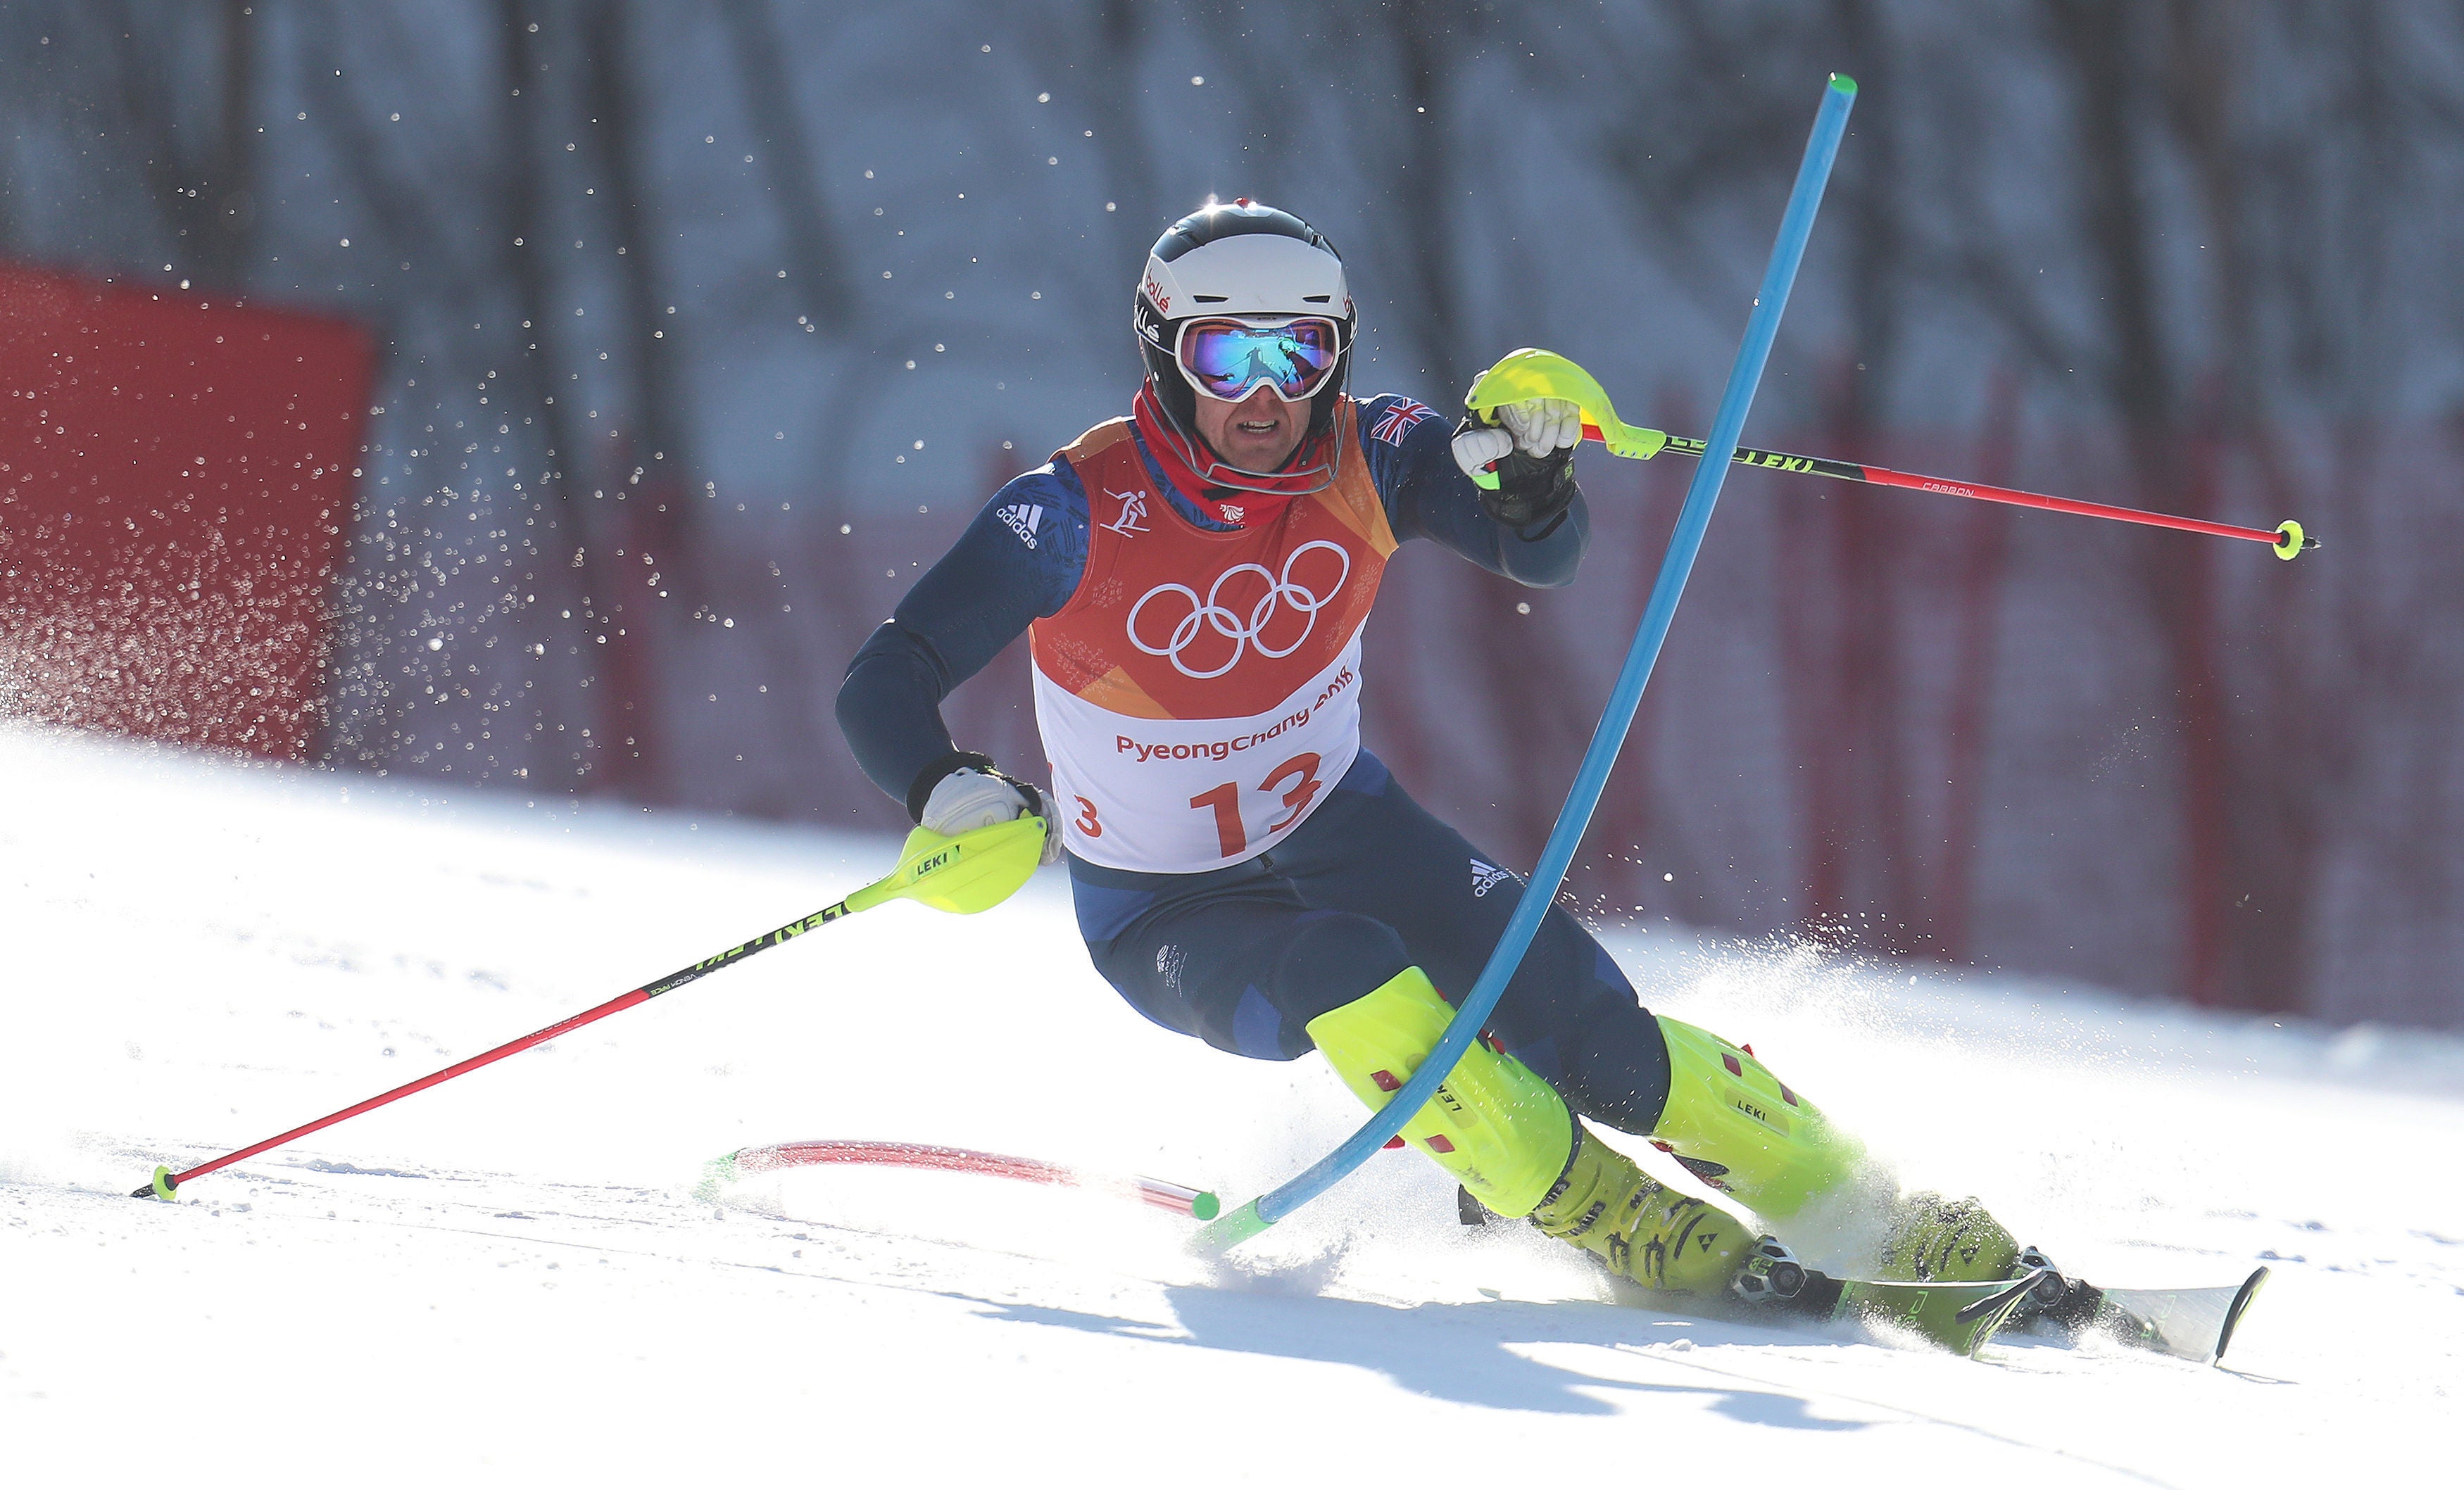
(1531, 373)
(963, 875)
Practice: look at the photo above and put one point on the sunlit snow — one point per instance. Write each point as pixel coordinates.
(509, 1278)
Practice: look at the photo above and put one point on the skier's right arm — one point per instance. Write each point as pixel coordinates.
(1020, 558)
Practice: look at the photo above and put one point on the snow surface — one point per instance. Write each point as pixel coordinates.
(511, 1280)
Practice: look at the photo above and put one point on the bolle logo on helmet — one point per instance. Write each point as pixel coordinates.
(1242, 632)
(1155, 293)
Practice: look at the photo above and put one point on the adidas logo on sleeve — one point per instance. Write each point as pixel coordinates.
(1022, 519)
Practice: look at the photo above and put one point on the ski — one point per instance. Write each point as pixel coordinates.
(1960, 1317)
(1957, 1317)
(2187, 1323)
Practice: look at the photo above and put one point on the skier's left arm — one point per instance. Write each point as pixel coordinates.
(1532, 533)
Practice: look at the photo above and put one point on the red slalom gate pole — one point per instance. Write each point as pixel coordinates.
(2287, 540)
(1161, 1193)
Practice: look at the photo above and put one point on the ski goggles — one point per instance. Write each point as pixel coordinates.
(1227, 359)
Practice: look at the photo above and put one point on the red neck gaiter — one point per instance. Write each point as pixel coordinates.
(1241, 498)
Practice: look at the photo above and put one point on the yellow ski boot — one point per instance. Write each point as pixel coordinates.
(1948, 1241)
(1640, 1227)
(1743, 1131)
(1507, 1137)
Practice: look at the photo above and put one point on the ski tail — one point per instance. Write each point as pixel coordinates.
(2190, 1323)
(2243, 1298)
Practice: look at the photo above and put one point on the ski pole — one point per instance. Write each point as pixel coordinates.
(971, 872)
(1591, 778)
(2287, 538)
(1531, 373)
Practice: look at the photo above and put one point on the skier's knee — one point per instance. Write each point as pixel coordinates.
(1331, 957)
(1501, 1131)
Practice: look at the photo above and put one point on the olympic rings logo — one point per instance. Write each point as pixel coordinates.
(1244, 634)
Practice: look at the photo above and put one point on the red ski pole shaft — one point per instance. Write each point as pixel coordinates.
(2287, 540)
(973, 871)
(166, 1182)
(510, 1047)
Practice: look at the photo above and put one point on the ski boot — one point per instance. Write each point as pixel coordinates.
(1742, 1131)
(1667, 1241)
(1932, 1240)
(1740, 1128)
(1509, 1140)
(1771, 1273)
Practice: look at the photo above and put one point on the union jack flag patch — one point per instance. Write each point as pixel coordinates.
(1396, 422)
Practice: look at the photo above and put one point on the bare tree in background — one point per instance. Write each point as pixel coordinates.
(167, 94)
(1714, 122)
(203, 176)
(1123, 30)
(2203, 365)
(1429, 43)
(821, 275)
(654, 542)
(571, 552)
(1983, 564)
(2170, 426)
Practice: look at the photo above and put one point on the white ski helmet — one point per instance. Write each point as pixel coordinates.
(1238, 258)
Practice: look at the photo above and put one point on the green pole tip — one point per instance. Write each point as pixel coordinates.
(1205, 1206)
(1844, 83)
(715, 1176)
(1231, 1228)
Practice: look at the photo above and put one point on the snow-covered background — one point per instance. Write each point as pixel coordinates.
(509, 1278)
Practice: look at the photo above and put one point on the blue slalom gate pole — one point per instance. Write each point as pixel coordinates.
(1830, 123)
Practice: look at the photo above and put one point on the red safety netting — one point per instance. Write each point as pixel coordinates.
(176, 477)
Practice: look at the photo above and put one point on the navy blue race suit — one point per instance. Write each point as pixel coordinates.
(1243, 958)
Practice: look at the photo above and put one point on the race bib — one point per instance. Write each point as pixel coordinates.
(1184, 796)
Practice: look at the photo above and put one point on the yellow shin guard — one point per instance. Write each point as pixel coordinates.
(1747, 1132)
(1499, 1130)
(1740, 1128)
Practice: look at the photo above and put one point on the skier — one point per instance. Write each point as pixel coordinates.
(1193, 580)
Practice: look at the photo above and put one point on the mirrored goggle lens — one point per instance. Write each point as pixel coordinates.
(1227, 359)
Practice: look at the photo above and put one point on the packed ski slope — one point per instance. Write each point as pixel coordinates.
(511, 1280)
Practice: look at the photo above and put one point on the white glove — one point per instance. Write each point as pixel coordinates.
(968, 799)
(1539, 427)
